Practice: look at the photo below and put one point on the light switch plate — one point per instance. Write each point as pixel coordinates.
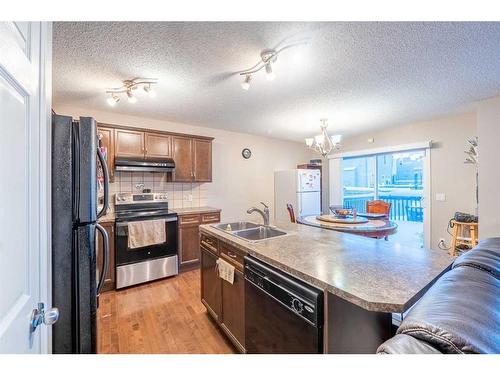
(440, 197)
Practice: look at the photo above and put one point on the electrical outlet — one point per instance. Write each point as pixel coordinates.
(440, 197)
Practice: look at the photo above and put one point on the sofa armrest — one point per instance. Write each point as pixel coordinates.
(405, 344)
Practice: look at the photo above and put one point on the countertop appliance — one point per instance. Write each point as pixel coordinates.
(299, 187)
(139, 265)
(141, 165)
(282, 314)
(75, 281)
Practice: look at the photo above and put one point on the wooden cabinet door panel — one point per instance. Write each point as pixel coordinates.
(158, 145)
(129, 143)
(210, 283)
(107, 139)
(183, 157)
(109, 282)
(202, 160)
(233, 307)
(189, 244)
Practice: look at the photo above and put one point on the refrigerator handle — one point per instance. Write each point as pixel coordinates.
(105, 262)
(106, 184)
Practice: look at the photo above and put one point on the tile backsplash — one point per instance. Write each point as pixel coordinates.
(180, 195)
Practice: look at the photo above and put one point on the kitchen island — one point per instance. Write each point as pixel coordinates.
(364, 280)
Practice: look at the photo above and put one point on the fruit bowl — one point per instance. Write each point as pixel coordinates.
(342, 212)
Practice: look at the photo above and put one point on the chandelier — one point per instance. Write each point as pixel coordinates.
(128, 87)
(323, 143)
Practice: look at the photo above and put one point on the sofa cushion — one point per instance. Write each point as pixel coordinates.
(459, 314)
(404, 344)
(485, 256)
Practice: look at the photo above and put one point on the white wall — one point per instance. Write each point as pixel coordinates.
(488, 131)
(237, 183)
(449, 174)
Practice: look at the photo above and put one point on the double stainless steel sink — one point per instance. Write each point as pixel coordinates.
(250, 231)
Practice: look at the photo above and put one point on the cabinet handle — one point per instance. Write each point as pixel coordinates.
(208, 246)
(231, 254)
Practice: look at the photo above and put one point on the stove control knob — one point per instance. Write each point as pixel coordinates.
(297, 305)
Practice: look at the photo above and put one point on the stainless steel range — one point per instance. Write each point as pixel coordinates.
(136, 265)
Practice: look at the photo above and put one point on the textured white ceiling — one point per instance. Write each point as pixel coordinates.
(359, 75)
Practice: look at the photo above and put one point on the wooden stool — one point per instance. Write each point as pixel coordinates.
(458, 235)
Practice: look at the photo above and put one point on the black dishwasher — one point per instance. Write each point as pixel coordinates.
(282, 313)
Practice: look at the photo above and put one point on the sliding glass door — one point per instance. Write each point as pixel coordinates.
(359, 181)
(396, 178)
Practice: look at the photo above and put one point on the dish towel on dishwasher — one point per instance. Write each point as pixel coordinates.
(146, 233)
(225, 270)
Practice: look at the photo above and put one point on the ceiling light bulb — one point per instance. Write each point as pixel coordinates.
(336, 138)
(309, 142)
(269, 72)
(319, 139)
(112, 100)
(245, 85)
(131, 98)
(150, 91)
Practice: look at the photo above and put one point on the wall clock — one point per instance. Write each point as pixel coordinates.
(246, 153)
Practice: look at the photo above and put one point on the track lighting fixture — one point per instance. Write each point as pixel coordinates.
(270, 76)
(128, 87)
(245, 85)
(112, 100)
(267, 58)
(131, 98)
(150, 91)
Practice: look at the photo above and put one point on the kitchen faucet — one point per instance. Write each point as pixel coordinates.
(264, 213)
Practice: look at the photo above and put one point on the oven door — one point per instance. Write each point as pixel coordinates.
(125, 255)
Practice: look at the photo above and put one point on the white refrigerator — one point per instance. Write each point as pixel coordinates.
(299, 187)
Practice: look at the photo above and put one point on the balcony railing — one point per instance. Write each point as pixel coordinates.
(404, 208)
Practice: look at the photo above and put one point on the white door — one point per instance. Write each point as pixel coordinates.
(25, 63)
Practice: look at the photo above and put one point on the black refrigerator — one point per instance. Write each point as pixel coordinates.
(76, 281)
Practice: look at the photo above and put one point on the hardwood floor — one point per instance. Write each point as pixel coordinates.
(164, 316)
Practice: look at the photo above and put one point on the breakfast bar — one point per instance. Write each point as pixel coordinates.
(364, 281)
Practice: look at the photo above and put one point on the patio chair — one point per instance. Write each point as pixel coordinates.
(379, 207)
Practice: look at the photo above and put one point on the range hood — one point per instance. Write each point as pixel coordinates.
(141, 165)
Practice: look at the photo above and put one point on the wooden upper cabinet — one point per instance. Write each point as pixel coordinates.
(158, 145)
(107, 139)
(129, 143)
(202, 160)
(183, 157)
(192, 155)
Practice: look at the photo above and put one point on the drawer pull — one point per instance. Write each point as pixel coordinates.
(231, 254)
(189, 220)
(208, 246)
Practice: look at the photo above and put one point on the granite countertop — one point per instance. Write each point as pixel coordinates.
(195, 210)
(374, 274)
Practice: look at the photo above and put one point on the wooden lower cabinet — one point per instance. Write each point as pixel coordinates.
(189, 240)
(109, 282)
(189, 245)
(232, 317)
(210, 283)
(225, 302)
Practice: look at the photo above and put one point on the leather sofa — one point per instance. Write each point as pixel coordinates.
(460, 313)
